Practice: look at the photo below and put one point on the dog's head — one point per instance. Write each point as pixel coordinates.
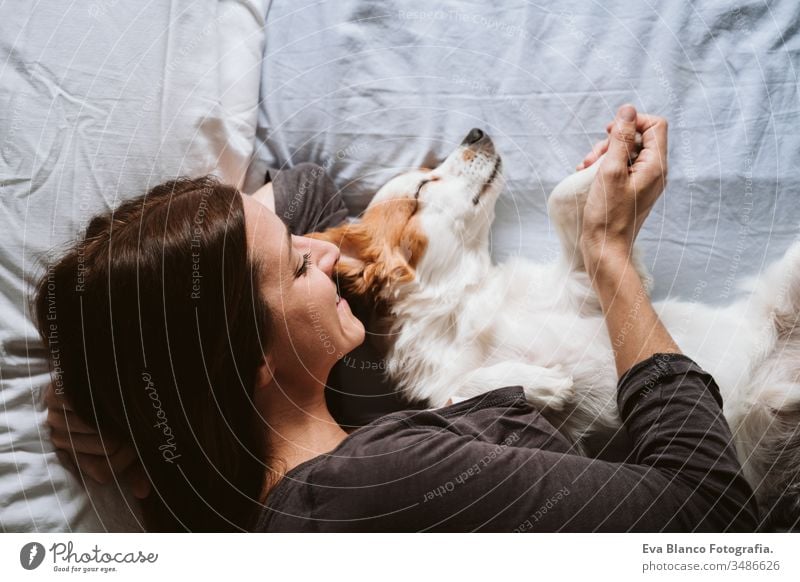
(422, 224)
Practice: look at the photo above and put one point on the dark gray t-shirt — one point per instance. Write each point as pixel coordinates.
(494, 463)
(306, 199)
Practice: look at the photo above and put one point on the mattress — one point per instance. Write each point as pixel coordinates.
(100, 101)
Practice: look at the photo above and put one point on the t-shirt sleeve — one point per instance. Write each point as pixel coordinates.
(306, 199)
(683, 475)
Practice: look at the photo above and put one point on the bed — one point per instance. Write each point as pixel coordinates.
(103, 99)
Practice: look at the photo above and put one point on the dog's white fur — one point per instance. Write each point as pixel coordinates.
(462, 325)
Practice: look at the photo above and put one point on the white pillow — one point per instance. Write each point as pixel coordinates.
(101, 101)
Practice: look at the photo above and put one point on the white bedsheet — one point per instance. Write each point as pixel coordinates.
(100, 100)
(370, 88)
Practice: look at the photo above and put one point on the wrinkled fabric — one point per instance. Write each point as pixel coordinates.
(306, 199)
(371, 88)
(100, 102)
(494, 463)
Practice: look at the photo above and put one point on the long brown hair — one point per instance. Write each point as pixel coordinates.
(156, 330)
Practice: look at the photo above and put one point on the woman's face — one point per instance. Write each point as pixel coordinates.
(314, 327)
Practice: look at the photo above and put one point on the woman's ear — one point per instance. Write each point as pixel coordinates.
(265, 373)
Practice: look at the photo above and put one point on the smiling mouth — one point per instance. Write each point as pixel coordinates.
(492, 177)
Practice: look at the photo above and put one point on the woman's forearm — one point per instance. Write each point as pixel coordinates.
(620, 199)
(635, 329)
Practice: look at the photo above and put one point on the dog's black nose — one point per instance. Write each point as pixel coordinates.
(474, 136)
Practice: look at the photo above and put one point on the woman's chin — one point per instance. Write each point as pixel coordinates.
(351, 326)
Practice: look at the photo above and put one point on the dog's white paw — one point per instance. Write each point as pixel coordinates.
(553, 391)
(574, 188)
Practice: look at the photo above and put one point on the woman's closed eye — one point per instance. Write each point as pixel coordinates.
(302, 269)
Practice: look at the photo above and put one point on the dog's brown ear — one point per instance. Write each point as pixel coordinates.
(400, 260)
(383, 274)
(349, 237)
(353, 243)
(377, 253)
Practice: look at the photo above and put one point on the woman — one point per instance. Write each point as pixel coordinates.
(238, 345)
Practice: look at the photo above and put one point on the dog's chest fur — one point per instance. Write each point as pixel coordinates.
(519, 311)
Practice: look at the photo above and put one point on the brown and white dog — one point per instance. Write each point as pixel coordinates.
(457, 325)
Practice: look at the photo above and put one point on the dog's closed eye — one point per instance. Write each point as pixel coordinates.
(424, 183)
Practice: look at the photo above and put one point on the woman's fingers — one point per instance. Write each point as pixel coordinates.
(122, 459)
(101, 468)
(622, 140)
(650, 127)
(651, 165)
(643, 122)
(649, 159)
(68, 421)
(94, 466)
(70, 433)
(124, 463)
(650, 131)
(654, 135)
(55, 401)
(649, 173)
(88, 444)
(598, 150)
(95, 457)
(622, 136)
(139, 483)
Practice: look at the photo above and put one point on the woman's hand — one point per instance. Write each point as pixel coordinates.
(94, 456)
(623, 193)
(620, 198)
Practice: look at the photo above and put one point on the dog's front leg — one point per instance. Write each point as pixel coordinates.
(549, 388)
(565, 206)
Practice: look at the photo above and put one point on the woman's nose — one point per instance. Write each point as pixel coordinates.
(328, 254)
